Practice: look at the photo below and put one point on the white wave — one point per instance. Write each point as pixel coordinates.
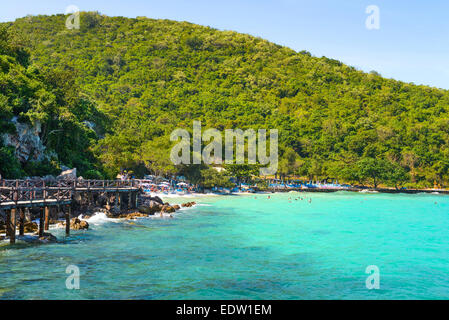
(99, 218)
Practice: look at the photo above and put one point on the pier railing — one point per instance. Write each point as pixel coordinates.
(19, 191)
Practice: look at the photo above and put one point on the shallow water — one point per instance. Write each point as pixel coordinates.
(248, 247)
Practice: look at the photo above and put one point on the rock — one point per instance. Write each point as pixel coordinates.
(68, 174)
(167, 209)
(88, 215)
(177, 207)
(157, 199)
(49, 179)
(102, 200)
(77, 224)
(149, 210)
(188, 204)
(114, 212)
(30, 227)
(26, 142)
(48, 237)
(133, 215)
(154, 204)
(144, 209)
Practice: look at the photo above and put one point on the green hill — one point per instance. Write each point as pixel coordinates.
(148, 77)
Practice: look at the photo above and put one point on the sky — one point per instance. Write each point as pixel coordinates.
(410, 44)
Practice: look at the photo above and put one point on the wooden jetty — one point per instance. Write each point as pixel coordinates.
(16, 196)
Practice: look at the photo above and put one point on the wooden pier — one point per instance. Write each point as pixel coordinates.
(16, 196)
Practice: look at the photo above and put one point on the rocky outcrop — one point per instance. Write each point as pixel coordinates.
(77, 224)
(48, 237)
(149, 210)
(188, 204)
(133, 215)
(155, 199)
(69, 174)
(167, 209)
(26, 141)
(30, 227)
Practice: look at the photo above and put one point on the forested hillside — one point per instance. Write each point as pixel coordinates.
(148, 77)
(32, 96)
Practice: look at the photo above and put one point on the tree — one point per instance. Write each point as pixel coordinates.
(289, 163)
(371, 170)
(396, 175)
(211, 178)
(242, 172)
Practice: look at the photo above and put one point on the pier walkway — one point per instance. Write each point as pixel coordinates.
(16, 196)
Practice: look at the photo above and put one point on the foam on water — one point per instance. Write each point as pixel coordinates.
(100, 218)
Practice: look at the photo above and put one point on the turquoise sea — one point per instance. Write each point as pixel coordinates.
(248, 247)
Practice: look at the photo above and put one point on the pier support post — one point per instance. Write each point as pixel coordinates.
(27, 215)
(116, 204)
(121, 201)
(47, 216)
(136, 200)
(22, 222)
(41, 222)
(90, 198)
(8, 222)
(68, 212)
(130, 200)
(12, 226)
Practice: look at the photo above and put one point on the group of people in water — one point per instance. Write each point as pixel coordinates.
(290, 199)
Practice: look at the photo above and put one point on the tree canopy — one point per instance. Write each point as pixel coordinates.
(148, 77)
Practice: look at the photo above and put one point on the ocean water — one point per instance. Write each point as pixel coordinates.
(248, 247)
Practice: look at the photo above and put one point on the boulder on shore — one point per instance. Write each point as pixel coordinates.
(188, 204)
(133, 215)
(48, 237)
(167, 209)
(149, 210)
(77, 224)
(30, 227)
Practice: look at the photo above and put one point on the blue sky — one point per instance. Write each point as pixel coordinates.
(411, 45)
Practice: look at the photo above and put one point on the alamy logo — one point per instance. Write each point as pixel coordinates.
(72, 21)
(372, 22)
(373, 280)
(73, 280)
(213, 152)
